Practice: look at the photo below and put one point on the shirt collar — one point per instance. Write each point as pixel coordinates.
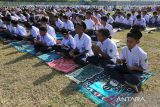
(133, 49)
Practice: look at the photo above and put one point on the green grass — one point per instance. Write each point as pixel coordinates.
(25, 81)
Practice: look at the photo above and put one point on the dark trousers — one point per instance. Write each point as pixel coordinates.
(64, 50)
(139, 27)
(116, 25)
(122, 74)
(97, 60)
(41, 48)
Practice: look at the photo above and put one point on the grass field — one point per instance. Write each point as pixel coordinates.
(25, 81)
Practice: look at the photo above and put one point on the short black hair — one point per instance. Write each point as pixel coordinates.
(43, 28)
(104, 32)
(15, 22)
(129, 15)
(104, 18)
(64, 31)
(28, 24)
(135, 33)
(65, 17)
(138, 16)
(82, 24)
(44, 19)
(89, 13)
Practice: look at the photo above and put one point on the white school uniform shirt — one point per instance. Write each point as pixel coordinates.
(68, 25)
(119, 19)
(133, 16)
(141, 22)
(146, 17)
(134, 58)
(128, 21)
(109, 47)
(34, 31)
(51, 31)
(109, 27)
(89, 24)
(48, 40)
(20, 30)
(83, 44)
(110, 20)
(59, 24)
(69, 42)
(9, 28)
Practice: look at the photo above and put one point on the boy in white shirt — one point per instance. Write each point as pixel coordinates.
(118, 20)
(132, 62)
(33, 32)
(19, 32)
(83, 45)
(105, 25)
(7, 28)
(127, 22)
(50, 29)
(139, 23)
(58, 23)
(67, 24)
(105, 52)
(67, 44)
(155, 20)
(44, 42)
(90, 25)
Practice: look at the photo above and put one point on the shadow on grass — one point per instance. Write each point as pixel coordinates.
(70, 89)
(39, 64)
(15, 52)
(6, 47)
(45, 78)
(23, 57)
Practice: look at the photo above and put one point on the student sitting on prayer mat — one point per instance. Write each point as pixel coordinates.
(67, 44)
(33, 31)
(82, 43)
(19, 32)
(44, 42)
(105, 52)
(7, 28)
(133, 61)
(50, 29)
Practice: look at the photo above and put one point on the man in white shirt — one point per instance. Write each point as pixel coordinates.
(139, 23)
(110, 20)
(154, 20)
(105, 52)
(133, 61)
(19, 32)
(133, 15)
(67, 24)
(105, 25)
(66, 45)
(90, 25)
(7, 28)
(58, 23)
(118, 20)
(146, 16)
(44, 42)
(127, 22)
(33, 32)
(50, 29)
(82, 45)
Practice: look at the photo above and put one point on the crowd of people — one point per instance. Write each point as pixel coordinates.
(80, 27)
